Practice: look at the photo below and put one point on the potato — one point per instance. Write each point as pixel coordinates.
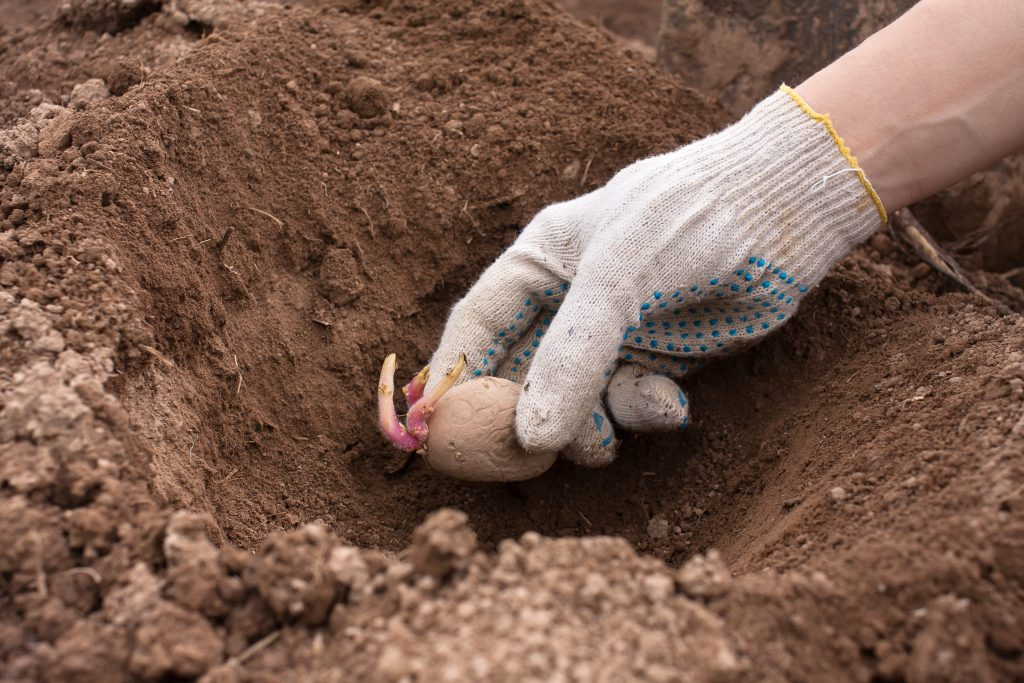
(473, 435)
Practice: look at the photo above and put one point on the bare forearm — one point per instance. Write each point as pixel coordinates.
(930, 99)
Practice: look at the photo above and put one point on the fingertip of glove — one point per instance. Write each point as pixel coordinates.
(651, 403)
(538, 428)
(600, 456)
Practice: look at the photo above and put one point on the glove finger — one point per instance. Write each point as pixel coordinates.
(516, 363)
(644, 402)
(595, 445)
(571, 365)
(495, 313)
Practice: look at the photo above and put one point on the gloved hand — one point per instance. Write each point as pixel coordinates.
(679, 258)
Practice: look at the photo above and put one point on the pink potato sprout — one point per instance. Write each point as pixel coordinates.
(472, 434)
(413, 434)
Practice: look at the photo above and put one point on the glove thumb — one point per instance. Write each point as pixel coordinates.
(641, 401)
(572, 366)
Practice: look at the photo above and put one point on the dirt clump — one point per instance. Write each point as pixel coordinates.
(341, 279)
(87, 92)
(202, 272)
(367, 97)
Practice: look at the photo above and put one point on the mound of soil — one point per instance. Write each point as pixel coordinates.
(203, 269)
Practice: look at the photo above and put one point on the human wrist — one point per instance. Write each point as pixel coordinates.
(821, 201)
(868, 132)
(931, 98)
(839, 144)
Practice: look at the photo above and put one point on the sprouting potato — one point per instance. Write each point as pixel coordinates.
(472, 432)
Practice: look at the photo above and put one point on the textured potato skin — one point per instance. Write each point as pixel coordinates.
(473, 437)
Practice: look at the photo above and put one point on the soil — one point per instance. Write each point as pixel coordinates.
(638, 22)
(204, 258)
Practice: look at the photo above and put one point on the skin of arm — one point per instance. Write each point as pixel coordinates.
(930, 99)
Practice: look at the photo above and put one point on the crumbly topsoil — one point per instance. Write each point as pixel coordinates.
(205, 257)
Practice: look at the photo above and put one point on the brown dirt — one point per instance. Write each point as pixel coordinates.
(638, 22)
(18, 15)
(859, 474)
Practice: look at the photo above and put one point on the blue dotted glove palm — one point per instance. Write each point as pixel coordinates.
(679, 258)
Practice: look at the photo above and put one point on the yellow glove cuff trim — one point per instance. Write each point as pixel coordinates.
(843, 149)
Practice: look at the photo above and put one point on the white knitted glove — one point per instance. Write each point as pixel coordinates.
(680, 257)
